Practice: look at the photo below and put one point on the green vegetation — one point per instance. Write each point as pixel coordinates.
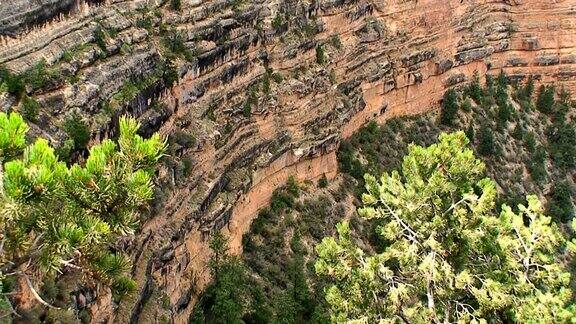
(545, 102)
(277, 77)
(474, 89)
(175, 45)
(377, 154)
(449, 107)
(176, 5)
(470, 132)
(534, 140)
(486, 145)
(466, 105)
(560, 203)
(541, 145)
(320, 54)
(278, 22)
(516, 143)
(169, 73)
(307, 29)
(30, 109)
(251, 101)
(281, 259)
(450, 257)
(54, 217)
(323, 182)
(182, 138)
(75, 51)
(285, 198)
(266, 82)
(132, 88)
(524, 94)
(112, 32)
(100, 38)
(537, 165)
(562, 143)
(13, 83)
(226, 300)
(210, 111)
(336, 42)
(332, 76)
(77, 131)
(40, 76)
(36, 78)
(146, 23)
(273, 282)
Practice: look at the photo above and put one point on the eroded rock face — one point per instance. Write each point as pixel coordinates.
(18, 14)
(267, 91)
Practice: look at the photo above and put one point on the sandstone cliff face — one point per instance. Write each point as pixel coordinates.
(254, 96)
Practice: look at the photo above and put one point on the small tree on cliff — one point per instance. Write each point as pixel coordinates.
(449, 257)
(449, 107)
(545, 100)
(228, 298)
(474, 89)
(176, 5)
(54, 217)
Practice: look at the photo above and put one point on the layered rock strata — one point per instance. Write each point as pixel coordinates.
(265, 88)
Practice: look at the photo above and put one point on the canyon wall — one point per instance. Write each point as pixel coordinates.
(266, 89)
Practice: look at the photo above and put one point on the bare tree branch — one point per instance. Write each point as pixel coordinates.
(35, 294)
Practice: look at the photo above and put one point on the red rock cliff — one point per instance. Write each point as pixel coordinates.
(268, 90)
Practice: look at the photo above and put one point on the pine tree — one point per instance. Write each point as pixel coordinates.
(528, 88)
(169, 72)
(562, 143)
(560, 204)
(30, 109)
(176, 5)
(486, 143)
(228, 297)
(449, 108)
(470, 133)
(54, 217)
(474, 89)
(502, 80)
(77, 130)
(320, 54)
(449, 257)
(545, 101)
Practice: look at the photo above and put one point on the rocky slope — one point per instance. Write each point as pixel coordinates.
(519, 145)
(265, 90)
